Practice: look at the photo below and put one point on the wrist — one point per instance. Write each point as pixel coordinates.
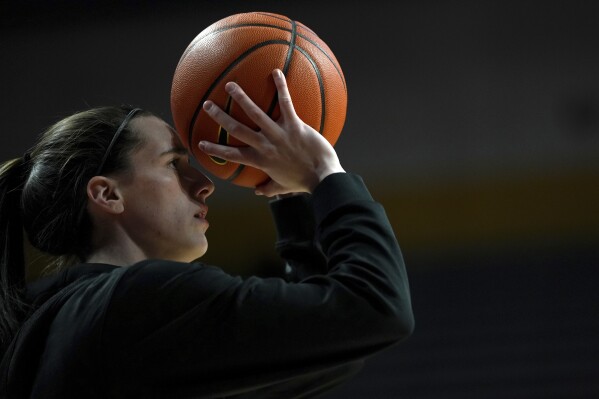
(321, 175)
(287, 195)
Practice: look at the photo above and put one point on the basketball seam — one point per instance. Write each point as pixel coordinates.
(285, 67)
(235, 62)
(292, 47)
(229, 27)
(320, 85)
(224, 73)
(220, 78)
(275, 98)
(225, 28)
(275, 16)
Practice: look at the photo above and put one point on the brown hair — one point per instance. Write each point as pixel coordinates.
(44, 194)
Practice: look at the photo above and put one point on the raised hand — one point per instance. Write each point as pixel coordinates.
(295, 156)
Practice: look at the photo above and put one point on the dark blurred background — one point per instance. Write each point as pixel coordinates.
(475, 123)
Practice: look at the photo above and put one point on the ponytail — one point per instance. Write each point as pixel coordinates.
(44, 197)
(12, 257)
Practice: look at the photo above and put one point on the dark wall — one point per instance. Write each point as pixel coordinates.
(476, 124)
(471, 121)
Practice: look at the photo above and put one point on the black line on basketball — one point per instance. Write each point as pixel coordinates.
(236, 173)
(285, 68)
(216, 82)
(224, 28)
(291, 47)
(221, 76)
(275, 100)
(272, 16)
(328, 56)
(320, 84)
(264, 25)
(240, 167)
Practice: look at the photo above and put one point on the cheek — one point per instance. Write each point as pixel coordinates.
(159, 203)
(167, 209)
(147, 206)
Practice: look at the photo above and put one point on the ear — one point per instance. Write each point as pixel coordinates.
(103, 194)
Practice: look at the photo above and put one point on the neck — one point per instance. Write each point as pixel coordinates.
(113, 255)
(115, 247)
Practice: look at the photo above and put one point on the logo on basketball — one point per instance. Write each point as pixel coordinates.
(223, 135)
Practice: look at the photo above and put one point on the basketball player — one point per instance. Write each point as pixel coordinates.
(137, 316)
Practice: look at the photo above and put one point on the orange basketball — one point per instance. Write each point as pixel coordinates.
(246, 48)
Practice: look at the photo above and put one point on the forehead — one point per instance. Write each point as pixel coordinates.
(157, 136)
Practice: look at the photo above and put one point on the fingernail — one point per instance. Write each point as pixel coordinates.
(202, 145)
(230, 87)
(207, 105)
(258, 192)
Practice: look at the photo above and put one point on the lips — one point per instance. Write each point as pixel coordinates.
(201, 213)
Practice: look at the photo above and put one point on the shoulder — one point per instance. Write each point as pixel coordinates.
(158, 271)
(151, 281)
(153, 298)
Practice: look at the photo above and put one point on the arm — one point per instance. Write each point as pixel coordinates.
(185, 329)
(296, 244)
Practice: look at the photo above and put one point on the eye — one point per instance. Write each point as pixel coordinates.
(173, 163)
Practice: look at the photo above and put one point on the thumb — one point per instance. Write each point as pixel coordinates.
(269, 189)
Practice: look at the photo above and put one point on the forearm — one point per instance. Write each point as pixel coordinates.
(294, 222)
(357, 241)
(360, 246)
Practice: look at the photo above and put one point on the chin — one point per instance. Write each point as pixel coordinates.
(190, 252)
(198, 252)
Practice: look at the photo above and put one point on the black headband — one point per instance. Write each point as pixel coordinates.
(130, 115)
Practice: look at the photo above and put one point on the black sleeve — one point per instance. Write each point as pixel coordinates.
(179, 330)
(295, 226)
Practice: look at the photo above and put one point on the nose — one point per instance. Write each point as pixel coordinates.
(199, 185)
(202, 187)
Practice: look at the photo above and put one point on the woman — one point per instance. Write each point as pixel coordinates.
(138, 317)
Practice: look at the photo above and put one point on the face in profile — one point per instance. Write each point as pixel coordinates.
(164, 197)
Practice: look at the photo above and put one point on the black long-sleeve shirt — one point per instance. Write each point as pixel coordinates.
(162, 329)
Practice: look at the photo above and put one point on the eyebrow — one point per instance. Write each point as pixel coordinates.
(175, 150)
